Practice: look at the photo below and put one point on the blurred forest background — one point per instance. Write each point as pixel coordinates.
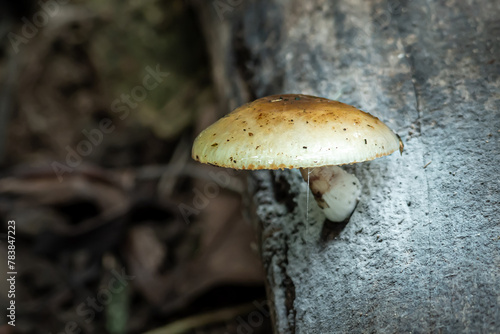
(117, 229)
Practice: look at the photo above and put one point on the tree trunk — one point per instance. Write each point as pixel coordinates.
(421, 253)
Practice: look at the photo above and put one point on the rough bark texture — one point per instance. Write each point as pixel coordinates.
(421, 253)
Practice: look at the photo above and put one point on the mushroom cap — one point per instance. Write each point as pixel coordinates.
(294, 131)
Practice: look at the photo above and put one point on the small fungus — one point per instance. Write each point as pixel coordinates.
(301, 146)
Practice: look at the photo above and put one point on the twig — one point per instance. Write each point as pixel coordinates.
(200, 320)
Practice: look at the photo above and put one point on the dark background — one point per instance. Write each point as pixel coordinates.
(96, 172)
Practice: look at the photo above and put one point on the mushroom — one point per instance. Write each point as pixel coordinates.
(300, 131)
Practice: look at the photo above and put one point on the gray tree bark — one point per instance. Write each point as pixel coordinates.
(421, 252)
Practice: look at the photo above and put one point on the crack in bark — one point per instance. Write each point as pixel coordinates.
(289, 291)
(410, 51)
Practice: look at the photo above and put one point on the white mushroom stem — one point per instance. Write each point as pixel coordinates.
(336, 191)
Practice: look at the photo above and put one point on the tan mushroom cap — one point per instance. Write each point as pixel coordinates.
(294, 131)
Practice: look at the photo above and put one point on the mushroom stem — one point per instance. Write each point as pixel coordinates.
(336, 191)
